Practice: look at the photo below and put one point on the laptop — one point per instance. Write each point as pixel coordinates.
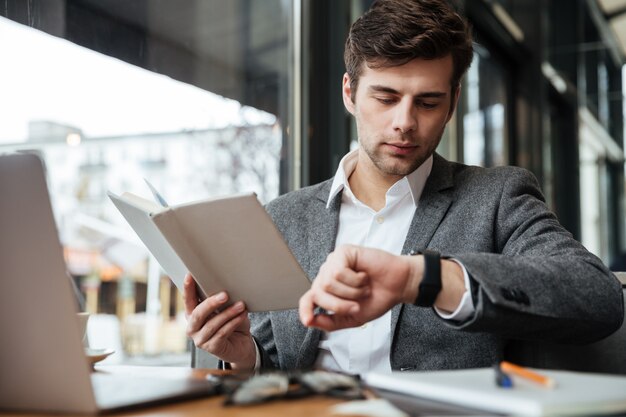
(42, 361)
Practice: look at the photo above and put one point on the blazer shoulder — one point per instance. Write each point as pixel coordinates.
(474, 182)
(513, 175)
(299, 201)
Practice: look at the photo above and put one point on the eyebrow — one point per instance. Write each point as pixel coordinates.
(426, 94)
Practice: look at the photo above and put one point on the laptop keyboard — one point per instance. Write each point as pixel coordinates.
(121, 391)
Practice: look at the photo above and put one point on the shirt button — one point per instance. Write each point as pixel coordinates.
(364, 326)
(380, 219)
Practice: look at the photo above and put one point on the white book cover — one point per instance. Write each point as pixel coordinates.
(228, 243)
(575, 394)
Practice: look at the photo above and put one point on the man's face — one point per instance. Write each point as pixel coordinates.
(401, 113)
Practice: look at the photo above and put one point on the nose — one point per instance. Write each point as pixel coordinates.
(405, 118)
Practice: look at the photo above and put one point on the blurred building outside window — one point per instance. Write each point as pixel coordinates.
(102, 124)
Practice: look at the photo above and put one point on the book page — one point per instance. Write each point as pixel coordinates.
(138, 213)
(143, 203)
(231, 244)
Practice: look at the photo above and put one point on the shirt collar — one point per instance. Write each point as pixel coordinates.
(416, 179)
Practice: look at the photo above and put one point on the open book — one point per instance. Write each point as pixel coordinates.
(575, 394)
(228, 244)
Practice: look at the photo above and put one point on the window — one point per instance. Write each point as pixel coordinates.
(192, 96)
(484, 101)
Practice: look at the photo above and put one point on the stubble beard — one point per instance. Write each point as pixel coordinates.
(393, 165)
(398, 165)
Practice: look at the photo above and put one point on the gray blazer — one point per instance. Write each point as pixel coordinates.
(531, 281)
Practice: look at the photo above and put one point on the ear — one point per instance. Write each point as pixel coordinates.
(347, 94)
(454, 102)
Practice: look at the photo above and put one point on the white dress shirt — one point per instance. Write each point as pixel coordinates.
(367, 348)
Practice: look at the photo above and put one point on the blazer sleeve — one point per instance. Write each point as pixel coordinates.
(261, 328)
(541, 283)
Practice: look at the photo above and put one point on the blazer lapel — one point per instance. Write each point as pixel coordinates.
(321, 228)
(322, 234)
(433, 206)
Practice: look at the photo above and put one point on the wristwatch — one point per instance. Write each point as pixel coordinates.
(431, 281)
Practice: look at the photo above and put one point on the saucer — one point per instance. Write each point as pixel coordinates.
(97, 355)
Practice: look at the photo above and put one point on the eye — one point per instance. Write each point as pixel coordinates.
(427, 105)
(385, 100)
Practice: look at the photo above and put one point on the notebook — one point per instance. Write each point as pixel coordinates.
(575, 393)
(42, 361)
(227, 244)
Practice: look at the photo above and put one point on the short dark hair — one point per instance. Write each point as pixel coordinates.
(394, 32)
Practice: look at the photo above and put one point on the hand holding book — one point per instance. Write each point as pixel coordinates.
(220, 330)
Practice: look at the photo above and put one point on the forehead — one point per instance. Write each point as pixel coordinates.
(416, 75)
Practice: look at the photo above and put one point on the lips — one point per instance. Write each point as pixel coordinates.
(401, 148)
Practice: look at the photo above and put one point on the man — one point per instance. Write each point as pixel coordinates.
(508, 271)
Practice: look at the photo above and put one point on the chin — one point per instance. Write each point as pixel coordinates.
(395, 165)
(402, 167)
(399, 170)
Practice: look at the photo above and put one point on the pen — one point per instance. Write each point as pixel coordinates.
(516, 370)
(157, 196)
(502, 379)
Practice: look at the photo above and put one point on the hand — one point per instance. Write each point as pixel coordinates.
(223, 332)
(358, 285)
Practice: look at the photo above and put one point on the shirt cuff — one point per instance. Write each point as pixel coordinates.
(466, 306)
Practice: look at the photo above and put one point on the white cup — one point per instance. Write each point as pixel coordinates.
(82, 319)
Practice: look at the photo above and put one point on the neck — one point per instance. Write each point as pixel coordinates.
(369, 185)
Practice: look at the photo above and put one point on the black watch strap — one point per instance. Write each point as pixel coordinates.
(430, 286)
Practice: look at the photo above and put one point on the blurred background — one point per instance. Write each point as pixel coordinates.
(211, 97)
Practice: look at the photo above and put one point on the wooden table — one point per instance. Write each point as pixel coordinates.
(210, 406)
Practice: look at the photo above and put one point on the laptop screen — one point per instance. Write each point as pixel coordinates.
(42, 357)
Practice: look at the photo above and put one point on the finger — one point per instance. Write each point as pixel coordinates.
(335, 304)
(218, 342)
(352, 278)
(190, 296)
(324, 322)
(203, 311)
(306, 308)
(342, 290)
(213, 325)
(332, 322)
